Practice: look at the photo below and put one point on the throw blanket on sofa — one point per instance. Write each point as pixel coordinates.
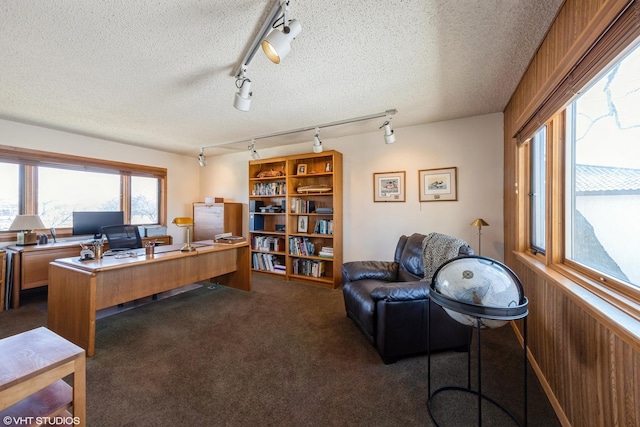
(436, 249)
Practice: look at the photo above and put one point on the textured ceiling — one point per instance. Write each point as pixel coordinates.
(160, 73)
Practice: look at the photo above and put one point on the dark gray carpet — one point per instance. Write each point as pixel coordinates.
(284, 354)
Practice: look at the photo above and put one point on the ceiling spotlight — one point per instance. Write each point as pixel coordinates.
(252, 149)
(201, 158)
(277, 44)
(242, 100)
(389, 137)
(317, 144)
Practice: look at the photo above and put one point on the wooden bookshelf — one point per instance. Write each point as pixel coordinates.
(295, 205)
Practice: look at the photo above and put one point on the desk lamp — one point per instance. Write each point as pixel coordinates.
(25, 224)
(187, 223)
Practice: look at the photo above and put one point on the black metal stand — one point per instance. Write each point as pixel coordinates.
(468, 389)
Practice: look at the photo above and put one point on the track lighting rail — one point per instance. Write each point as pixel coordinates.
(264, 30)
(386, 113)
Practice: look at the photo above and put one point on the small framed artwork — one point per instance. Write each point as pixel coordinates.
(389, 186)
(438, 185)
(302, 169)
(303, 224)
(327, 167)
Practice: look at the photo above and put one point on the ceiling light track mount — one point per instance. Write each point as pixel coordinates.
(242, 100)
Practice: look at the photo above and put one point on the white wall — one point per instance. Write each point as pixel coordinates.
(371, 230)
(182, 171)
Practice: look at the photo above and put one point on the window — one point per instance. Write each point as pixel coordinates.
(144, 200)
(603, 173)
(9, 194)
(62, 191)
(537, 190)
(54, 185)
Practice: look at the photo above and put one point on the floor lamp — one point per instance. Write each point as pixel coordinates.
(479, 222)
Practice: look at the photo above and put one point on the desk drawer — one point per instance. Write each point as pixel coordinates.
(35, 265)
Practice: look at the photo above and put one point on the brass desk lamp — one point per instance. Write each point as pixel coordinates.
(187, 223)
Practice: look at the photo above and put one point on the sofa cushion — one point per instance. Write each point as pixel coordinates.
(359, 270)
(411, 258)
(405, 291)
(402, 241)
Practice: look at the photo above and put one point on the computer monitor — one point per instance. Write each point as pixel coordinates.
(91, 222)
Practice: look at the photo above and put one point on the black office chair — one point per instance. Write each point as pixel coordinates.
(122, 237)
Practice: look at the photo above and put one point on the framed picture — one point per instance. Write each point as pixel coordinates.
(302, 169)
(389, 186)
(438, 185)
(303, 224)
(327, 167)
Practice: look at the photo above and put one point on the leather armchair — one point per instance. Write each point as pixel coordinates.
(391, 306)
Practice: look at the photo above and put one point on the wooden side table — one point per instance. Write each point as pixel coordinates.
(32, 390)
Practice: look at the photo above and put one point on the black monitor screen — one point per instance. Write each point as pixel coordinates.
(92, 222)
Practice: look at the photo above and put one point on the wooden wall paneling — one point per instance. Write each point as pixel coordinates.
(590, 373)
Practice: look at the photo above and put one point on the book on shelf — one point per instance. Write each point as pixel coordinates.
(309, 267)
(267, 262)
(302, 206)
(323, 226)
(268, 243)
(326, 252)
(301, 246)
(269, 189)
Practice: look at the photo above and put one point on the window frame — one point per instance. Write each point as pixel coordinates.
(535, 249)
(619, 294)
(29, 161)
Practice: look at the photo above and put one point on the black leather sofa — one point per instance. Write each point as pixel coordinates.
(392, 308)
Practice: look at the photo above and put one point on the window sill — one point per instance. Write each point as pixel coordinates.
(619, 314)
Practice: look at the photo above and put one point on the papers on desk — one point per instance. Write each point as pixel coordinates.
(228, 238)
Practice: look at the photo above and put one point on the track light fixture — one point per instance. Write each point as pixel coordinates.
(389, 137)
(201, 158)
(317, 144)
(252, 148)
(242, 100)
(277, 44)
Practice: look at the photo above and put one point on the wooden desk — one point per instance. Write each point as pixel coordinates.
(77, 289)
(32, 367)
(31, 263)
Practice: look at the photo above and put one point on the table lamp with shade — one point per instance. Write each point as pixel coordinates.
(187, 223)
(24, 225)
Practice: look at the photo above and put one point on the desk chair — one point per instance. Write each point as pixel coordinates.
(122, 237)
